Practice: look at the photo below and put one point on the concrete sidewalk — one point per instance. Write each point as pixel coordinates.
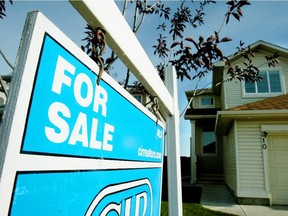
(218, 198)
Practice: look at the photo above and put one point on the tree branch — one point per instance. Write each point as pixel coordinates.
(6, 60)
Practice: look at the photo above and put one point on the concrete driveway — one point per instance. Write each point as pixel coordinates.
(217, 197)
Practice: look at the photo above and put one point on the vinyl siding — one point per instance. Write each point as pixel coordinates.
(234, 89)
(233, 94)
(250, 157)
(229, 159)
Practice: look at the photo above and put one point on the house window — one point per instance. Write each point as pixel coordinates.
(138, 97)
(207, 101)
(208, 142)
(270, 84)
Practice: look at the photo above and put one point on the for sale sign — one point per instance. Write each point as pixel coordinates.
(74, 147)
(81, 118)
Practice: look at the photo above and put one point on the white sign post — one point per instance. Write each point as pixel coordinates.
(173, 148)
(123, 42)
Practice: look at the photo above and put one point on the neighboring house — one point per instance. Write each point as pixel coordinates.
(240, 130)
(148, 101)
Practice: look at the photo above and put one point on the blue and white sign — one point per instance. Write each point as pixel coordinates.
(87, 193)
(74, 116)
(74, 147)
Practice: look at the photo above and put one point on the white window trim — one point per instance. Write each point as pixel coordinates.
(263, 95)
(207, 106)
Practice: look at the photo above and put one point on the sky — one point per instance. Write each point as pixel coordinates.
(262, 20)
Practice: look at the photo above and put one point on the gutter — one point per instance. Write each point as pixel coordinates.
(225, 118)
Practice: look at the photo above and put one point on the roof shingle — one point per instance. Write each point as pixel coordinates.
(274, 103)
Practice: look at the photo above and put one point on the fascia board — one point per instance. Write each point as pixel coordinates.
(258, 113)
(224, 118)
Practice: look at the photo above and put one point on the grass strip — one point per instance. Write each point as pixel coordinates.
(190, 209)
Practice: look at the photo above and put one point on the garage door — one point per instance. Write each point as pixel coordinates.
(278, 168)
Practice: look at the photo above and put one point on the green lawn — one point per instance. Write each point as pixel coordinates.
(193, 209)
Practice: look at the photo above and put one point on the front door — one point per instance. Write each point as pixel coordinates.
(209, 157)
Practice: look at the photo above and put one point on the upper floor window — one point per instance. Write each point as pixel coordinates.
(270, 84)
(207, 101)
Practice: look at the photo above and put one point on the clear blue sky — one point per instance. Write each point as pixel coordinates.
(263, 20)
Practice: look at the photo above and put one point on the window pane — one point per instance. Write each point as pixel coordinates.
(263, 84)
(250, 87)
(275, 84)
(138, 97)
(207, 101)
(271, 83)
(209, 142)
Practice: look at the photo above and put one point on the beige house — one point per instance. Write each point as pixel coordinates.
(240, 131)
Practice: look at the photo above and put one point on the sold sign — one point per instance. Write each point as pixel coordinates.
(74, 147)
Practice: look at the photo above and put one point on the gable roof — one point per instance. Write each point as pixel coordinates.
(218, 67)
(274, 103)
(258, 45)
(275, 108)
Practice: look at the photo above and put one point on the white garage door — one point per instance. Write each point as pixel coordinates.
(278, 168)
